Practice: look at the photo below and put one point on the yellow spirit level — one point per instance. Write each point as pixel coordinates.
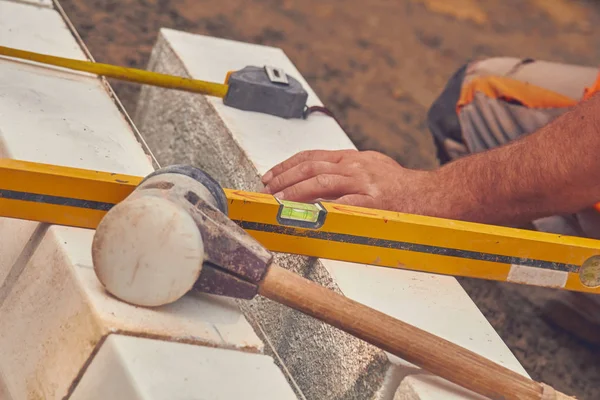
(80, 198)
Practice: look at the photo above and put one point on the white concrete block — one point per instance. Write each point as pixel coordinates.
(36, 29)
(196, 317)
(423, 386)
(56, 312)
(71, 116)
(4, 393)
(128, 368)
(39, 3)
(14, 234)
(434, 303)
(173, 123)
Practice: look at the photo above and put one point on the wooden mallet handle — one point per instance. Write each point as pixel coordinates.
(434, 354)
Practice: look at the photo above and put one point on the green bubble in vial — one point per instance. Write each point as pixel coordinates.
(299, 211)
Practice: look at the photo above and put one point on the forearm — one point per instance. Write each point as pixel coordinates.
(555, 170)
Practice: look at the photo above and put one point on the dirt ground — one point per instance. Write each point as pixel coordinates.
(378, 65)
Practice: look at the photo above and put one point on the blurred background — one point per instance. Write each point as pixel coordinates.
(378, 65)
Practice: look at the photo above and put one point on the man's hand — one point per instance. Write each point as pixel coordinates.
(554, 171)
(365, 179)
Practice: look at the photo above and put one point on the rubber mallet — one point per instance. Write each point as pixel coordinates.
(172, 235)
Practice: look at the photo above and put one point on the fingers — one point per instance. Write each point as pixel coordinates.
(322, 186)
(332, 156)
(299, 173)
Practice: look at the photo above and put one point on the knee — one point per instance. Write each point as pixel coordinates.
(443, 109)
(442, 118)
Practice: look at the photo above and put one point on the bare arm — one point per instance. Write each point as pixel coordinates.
(555, 170)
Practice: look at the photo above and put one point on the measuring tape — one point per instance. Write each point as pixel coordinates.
(80, 198)
(122, 73)
(267, 90)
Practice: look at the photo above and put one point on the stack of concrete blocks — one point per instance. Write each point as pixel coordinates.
(237, 147)
(61, 335)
